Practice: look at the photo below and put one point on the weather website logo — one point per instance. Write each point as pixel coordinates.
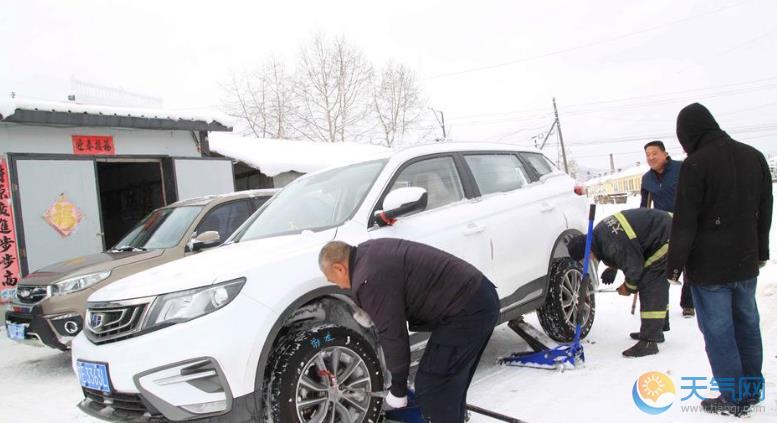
(654, 392)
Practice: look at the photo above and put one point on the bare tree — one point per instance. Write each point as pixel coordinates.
(397, 101)
(263, 100)
(332, 89)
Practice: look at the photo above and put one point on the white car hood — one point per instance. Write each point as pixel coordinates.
(214, 266)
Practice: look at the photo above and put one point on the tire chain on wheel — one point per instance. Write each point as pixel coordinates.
(293, 352)
(551, 314)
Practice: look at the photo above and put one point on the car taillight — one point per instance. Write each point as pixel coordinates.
(579, 190)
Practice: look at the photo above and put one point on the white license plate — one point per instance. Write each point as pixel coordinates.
(94, 376)
(16, 331)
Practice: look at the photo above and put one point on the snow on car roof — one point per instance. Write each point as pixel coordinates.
(275, 156)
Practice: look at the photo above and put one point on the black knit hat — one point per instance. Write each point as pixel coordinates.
(576, 247)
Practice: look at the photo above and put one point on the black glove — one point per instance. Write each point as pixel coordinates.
(608, 276)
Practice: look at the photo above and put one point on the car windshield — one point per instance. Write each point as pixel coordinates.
(163, 228)
(312, 203)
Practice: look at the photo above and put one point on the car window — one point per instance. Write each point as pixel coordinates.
(497, 172)
(225, 218)
(162, 228)
(437, 176)
(314, 202)
(539, 163)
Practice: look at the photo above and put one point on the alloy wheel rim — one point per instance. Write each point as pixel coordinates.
(334, 386)
(570, 286)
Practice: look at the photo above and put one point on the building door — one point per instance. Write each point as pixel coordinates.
(58, 210)
(198, 177)
(129, 190)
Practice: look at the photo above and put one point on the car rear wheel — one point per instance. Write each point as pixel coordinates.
(325, 374)
(558, 315)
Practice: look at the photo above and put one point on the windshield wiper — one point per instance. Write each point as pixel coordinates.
(124, 248)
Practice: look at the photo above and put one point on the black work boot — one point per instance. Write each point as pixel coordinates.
(641, 349)
(720, 406)
(635, 336)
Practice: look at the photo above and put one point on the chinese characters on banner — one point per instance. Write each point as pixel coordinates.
(63, 216)
(9, 257)
(93, 145)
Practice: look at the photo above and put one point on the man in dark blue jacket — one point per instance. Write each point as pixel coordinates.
(660, 182)
(659, 185)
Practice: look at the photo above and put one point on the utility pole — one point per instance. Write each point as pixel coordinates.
(612, 164)
(440, 121)
(560, 137)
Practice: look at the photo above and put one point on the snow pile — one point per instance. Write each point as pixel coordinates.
(9, 106)
(274, 156)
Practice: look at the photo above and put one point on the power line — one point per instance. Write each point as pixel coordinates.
(697, 91)
(581, 46)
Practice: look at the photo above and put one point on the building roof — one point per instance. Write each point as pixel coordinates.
(632, 171)
(26, 111)
(273, 156)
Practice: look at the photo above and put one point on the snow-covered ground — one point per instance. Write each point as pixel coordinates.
(39, 385)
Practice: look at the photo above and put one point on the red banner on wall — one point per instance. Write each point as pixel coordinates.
(9, 256)
(93, 145)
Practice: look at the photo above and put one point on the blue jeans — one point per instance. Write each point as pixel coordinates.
(728, 318)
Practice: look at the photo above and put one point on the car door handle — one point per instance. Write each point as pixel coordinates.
(546, 207)
(473, 228)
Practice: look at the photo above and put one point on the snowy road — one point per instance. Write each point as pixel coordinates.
(39, 385)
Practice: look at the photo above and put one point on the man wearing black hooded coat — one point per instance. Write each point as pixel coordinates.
(720, 237)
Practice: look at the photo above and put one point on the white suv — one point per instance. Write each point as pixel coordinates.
(251, 330)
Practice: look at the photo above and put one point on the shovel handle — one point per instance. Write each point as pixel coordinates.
(634, 303)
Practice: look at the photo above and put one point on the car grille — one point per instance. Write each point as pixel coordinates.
(121, 406)
(110, 322)
(29, 294)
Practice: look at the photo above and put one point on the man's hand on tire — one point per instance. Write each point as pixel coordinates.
(395, 402)
(608, 276)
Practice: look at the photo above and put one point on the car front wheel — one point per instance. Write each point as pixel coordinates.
(325, 374)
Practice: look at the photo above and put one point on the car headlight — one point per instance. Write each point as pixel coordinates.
(78, 283)
(182, 306)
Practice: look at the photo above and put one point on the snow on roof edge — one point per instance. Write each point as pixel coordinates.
(9, 106)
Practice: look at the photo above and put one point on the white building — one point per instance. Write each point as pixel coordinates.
(77, 177)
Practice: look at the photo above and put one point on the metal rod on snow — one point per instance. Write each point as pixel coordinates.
(492, 414)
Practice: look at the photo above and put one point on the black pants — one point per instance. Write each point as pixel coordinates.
(653, 302)
(452, 355)
(686, 297)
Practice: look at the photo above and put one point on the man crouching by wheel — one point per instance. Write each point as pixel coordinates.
(636, 242)
(399, 282)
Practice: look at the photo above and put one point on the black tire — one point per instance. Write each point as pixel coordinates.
(295, 358)
(557, 315)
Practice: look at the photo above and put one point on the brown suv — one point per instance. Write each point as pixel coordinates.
(49, 304)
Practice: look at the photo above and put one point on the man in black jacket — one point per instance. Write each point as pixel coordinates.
(636, 242)
(399, 282)
(720, 237)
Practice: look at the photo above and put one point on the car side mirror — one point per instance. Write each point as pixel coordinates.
(205, 240)
(400, 202)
